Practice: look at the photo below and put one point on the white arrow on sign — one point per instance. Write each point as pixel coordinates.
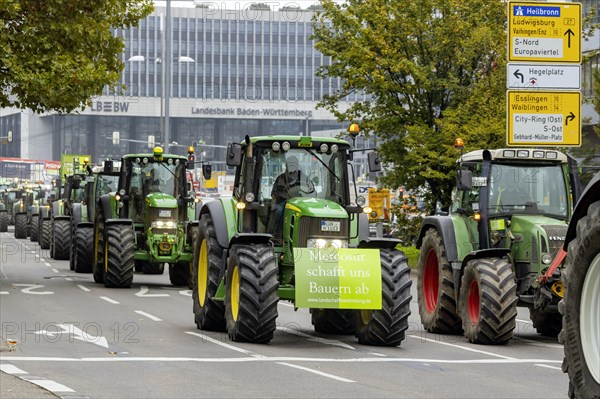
(543, 76)
(77, 334)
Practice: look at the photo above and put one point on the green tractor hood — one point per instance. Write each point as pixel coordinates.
(318, 208)
(161, 200)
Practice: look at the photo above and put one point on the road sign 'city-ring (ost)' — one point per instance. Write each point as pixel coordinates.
(545, 32)
(543, 118)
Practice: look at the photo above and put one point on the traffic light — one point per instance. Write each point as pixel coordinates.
(191, 157)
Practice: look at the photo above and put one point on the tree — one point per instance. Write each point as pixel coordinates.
(430, 70)
(56, 55)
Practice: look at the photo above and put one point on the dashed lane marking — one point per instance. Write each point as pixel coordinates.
(50, 385)
(10, 369)
(107, 299)
(86, 289)
(148, 315)
(335, 377)
(466, 348)
(548, 367)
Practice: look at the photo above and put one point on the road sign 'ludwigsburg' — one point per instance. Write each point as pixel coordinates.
(545, 31)
(544, 118)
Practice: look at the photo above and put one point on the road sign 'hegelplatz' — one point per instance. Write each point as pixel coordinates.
(544, 118)
(543, 31)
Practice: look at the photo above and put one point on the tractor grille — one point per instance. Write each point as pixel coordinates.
(556, 237)
(309, 226)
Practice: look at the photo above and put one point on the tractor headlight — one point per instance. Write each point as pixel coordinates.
(546, 259)
(326, 243)
(164, 224)
(249, 197)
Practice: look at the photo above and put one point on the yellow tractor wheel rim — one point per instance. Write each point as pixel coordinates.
(365, 316)
(235, 293)
(202, 273)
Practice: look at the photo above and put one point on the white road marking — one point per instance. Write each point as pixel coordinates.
(291, 305)
(55, 270)
(536, 343)
(10, 369)
(548, 367)
(107, 299)
(48, 264)
(52, 386)
(143, 293)
(335, 377)
(466, 348)
(524, 321)
(223, 344)
(186, 292)
(320, 340)
(86, 289)
(31, 287)
(42, 259)
(3, 292)
(148, 315)
(274, 359)
(377, 354)
(69, 279)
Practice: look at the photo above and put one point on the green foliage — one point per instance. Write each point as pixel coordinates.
(431, 70)
(412, 253)
(56, 55)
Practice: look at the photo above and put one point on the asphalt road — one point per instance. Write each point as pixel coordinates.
(84, 340)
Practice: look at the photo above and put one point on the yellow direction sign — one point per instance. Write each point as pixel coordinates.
(544, 118)
(380, 202)
(544, 31)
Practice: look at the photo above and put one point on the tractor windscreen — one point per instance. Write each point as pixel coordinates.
(535, 189)
(157, 177)
(302, 172)
(106, 184)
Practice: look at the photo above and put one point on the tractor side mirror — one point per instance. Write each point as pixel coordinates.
(207, 172)
(464, 180)
(374, 162)
(41, 194)
(234, 155)
(108, 166)
(76, 184)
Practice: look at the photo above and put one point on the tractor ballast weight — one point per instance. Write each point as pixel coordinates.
(253, 249)
(146, 222)
(482, 260)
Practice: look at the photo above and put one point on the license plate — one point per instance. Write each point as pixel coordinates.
(330, 225)
(164, 214)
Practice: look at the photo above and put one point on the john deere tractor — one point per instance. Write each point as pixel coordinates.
(479, 262)
(290, 232)
(146, 222)
(101, 179)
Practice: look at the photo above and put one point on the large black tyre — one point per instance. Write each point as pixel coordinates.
(34, 228)
(546, 323)
(193, 235)
(45, 234)
(208, 270)
(119, 248)
(387, 326)
(61, 239)
(179, 273)
(4, 220)
(580, 308)
(488, 301)
(251, 293)
(21, 225)
(83, 252)
(333, 321)
(152, 268)
(435, 287)
(99, 262)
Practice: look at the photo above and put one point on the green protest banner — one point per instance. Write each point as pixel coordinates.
(345, 278)
(73, 163)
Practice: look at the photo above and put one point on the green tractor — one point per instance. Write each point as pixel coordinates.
(147, 223)
(297, 237)
(45, 216)
(479, 262)
(5, 208)
(102, 179)
(36, 211)
(27, 196)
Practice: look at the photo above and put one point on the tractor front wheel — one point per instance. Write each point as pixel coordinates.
(21, 225)
(34, 228)
(488, 301)
(119, 248)
(83, 251)
(251, 293)
(179, 273)
(98, 252)
(545, 323)
(580, 308)
(333, 321)
(61, 239)
(45, 234)
(207, 272)
(387, 326)
(4, 222)
(435, 287)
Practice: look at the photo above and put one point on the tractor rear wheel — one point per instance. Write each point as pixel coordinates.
(488, 301)
(546, 323)
(98, 263)
(387, 326)
(46, 234)
(119, 248)
(580, 308)
(4, 222)
(21, 225)
(83, 251)
(179, 273)
(334, 321)
(33, 228)
(251, 293)
(435, 287)
(61, 239)
(207, 272)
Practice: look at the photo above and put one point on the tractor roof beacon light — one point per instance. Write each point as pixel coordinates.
(353, 130)
(158, 152)
(191, 149)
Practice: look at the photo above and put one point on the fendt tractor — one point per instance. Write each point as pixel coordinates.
(479, 262)
(580, 307)
(148, 222)
(37, 210)
(28, 195)
(298, 238)
(45, 215)
(100, 180)
(7, 198)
